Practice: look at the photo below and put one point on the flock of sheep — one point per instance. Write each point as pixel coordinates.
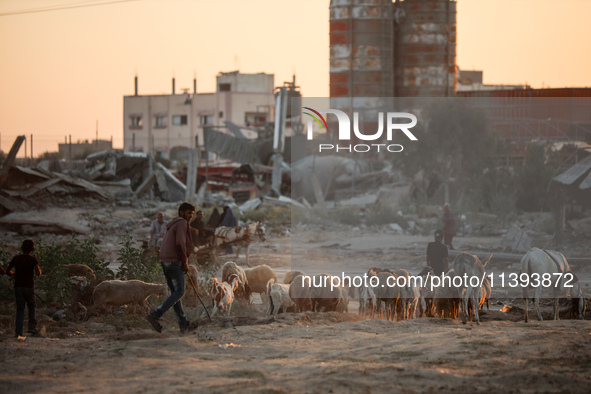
(386, 300)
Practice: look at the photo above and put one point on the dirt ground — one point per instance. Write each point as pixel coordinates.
(309, 352)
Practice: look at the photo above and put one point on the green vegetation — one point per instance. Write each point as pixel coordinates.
(135, 264)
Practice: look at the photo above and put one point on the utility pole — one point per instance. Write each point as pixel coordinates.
(96, 139)
(31, 147)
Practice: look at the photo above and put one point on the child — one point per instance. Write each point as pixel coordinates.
(25, 266)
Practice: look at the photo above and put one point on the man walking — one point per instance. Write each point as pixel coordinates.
(174, 258)
(437, 254)
(25, 267)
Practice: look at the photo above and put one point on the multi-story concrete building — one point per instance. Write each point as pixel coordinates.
(166, 125)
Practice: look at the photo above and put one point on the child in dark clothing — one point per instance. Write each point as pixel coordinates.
(25, 266)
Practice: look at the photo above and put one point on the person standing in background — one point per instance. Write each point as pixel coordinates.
(25, 267)
(449, 226)
(157, 230)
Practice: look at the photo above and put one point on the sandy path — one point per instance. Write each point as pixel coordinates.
(311, 353)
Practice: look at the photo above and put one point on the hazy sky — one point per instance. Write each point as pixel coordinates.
(61, 71)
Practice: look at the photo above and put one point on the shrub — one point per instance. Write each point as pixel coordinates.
(382, 214)
(273, 216)
(6, 292)
(85, 252)
(135, 265)
(54, 281)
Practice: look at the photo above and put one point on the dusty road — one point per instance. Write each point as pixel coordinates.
(322, 352)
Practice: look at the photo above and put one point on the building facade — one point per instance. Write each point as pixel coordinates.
(167, 124)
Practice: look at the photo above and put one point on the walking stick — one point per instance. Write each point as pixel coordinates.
(197, 294)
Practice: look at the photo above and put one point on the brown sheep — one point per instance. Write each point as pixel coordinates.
(122, 292)
(299, 292)
(81, 270)
(290, 275)
(258, 277)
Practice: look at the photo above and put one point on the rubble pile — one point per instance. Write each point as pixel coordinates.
(103, 177)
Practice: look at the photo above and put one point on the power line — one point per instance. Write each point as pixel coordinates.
(64, 7)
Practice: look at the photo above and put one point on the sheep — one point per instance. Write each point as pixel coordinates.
(278, 297)
(123, 292)
(410, 295)
(290, 275)
(367, 300)
(326, 298)
(81, 270)
(446, 299)
(258, 277)
(299, 292)
(223, 294)
(388, 292)
(427, 293)
(343, 302)
(230, 268)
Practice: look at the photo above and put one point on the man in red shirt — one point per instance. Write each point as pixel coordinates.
(25, 266)
(176, 248)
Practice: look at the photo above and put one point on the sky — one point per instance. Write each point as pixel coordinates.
(62, 71)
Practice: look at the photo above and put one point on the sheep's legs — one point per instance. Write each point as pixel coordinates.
(537, 302)
(556, 306)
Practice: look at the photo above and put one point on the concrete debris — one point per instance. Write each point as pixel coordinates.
(218, 199)
(251, 205)
(320, 178)
(286, 201)
(396, 228)
(516, 240)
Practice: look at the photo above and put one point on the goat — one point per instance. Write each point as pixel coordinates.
(223, 294)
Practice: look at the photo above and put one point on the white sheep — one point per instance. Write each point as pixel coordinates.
(124, 292)
(258, 277)
(367, 300)
(278, 297)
